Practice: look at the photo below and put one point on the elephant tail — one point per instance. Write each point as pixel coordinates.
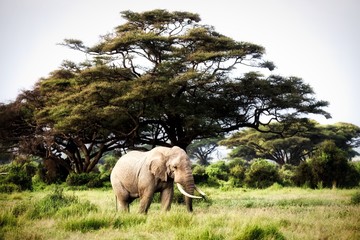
(116, 204)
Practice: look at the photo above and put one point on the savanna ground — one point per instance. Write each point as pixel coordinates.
(273, 213)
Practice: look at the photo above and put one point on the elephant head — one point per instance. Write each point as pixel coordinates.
(173, 164)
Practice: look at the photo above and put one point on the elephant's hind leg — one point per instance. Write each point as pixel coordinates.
(123, 205)
(123, 198)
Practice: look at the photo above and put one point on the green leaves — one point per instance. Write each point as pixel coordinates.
(160, 17)
(161, 78)
(297, 142)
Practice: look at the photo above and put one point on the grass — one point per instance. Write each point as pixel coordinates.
(273, 213)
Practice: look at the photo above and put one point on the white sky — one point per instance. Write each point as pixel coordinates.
(317, 40)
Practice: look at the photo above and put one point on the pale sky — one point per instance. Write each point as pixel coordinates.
(317, 40)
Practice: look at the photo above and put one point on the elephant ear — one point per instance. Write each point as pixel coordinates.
(158, 167)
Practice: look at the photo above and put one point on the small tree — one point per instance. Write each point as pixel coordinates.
(19, 173)
(303, 175)
(199, 173)
(261, 174)
(329, 165)
(218, 170)
(202, 150)
(237, 168)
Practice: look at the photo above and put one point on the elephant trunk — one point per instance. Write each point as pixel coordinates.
(190, 188)
(187, 187)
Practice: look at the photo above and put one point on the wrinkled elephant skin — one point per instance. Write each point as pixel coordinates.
(141, 174)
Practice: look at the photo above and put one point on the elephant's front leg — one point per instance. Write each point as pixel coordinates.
(145, 200)
(166, 198)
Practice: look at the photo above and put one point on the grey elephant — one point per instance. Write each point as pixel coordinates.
(140, 174)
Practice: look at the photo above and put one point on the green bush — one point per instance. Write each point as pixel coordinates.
(108, 162)
(352, 178)
(51, 203)
(287, 174)
(303, 176)
(78, 179)
(261, 174)
(9, 188)
(328, 167)
(90, 180)
(199, 173)
(18, 176)
(355, 198)
(258, 232)
(218, 170)
(20, 208)
(237, 172)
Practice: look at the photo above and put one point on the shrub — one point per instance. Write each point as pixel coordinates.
(199, 173)
(303, 175)
(20, 209)
(261, 174)
(90, 180)
(9, 188)
(51, 203)
(352, 178)
(18, 173)
(74, 179)
(355, 198)
(38, 183)
(257, 232)
(330, 167)
(287, 174)
(237, 172)
(109, 162)
(218, 170)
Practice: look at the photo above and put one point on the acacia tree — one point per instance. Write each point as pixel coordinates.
(77, 119)
(182, 76)
(162, 78)
(202, 150)
(17, 123)
(294, 147)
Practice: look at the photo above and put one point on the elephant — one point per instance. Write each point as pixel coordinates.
(141, 174)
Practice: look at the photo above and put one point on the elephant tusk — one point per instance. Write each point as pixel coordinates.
(181, 189)
(199, 191)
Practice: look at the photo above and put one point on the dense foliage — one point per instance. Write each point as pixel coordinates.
(295, 145)
(161, 78)
(327, 168)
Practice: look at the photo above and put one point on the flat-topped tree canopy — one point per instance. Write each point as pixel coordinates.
(163, 78)
(180, 79)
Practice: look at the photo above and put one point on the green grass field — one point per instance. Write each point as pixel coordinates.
(273, 213)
